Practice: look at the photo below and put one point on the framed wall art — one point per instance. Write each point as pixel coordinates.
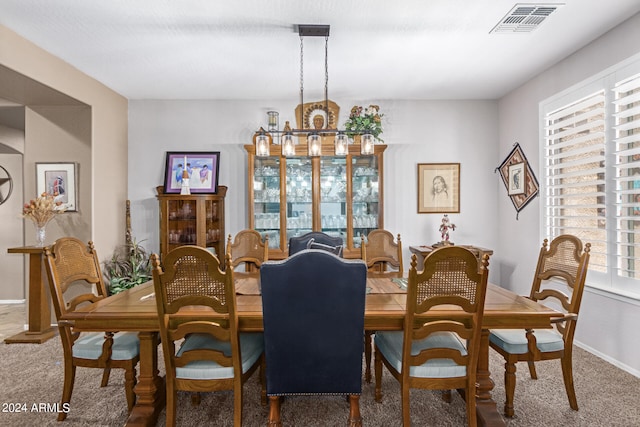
(317, 115)
(518, 178)
(59, 180)
(438, 187)
(202, 166)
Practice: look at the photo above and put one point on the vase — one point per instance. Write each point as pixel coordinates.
(41, 234)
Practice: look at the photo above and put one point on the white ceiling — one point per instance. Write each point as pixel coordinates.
(250, 49)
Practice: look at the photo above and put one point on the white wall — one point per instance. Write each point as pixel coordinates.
(608, 325)
(416, 132)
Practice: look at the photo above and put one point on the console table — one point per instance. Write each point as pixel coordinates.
(39, 311)
(422, 251)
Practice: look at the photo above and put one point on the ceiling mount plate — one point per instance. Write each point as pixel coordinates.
(313, 30)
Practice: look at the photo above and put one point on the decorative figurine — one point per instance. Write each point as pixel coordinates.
(444, 230)
(185, 189)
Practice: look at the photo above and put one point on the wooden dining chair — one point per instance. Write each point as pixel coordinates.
(384, 259)
(313, 306)
(203, 352)
(563, 261)
(438, 348)
(75, 278)
(248, 249)
(382, 255)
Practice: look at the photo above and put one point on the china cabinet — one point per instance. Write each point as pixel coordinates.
(196, 219)
(338, 195)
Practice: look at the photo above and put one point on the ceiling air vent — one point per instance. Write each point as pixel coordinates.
(524, 18)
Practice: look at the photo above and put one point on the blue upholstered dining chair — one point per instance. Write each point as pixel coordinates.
(438, 348)
(559, 278)
(75, 278)
(313, 306)
(204, 352)
(316, 240)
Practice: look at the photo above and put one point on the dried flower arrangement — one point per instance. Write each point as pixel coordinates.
(42, 209)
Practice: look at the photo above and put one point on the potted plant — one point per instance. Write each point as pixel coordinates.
(128, 267)
(367, 120)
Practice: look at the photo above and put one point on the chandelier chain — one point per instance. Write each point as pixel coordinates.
(301, 80)
(326, 80)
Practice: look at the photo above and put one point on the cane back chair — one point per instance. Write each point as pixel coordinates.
(439, 346)
(75, 278)
(562, 261)
(203, 351)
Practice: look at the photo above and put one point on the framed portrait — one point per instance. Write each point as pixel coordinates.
(203, 168)
(58, 179)
(438, 187)
(516, 178)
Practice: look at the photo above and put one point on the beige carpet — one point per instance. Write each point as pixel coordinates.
(32, 374)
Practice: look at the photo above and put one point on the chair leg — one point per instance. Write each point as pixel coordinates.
(171, 406)
(105, 376)
(274, 412)
(355, 420)
(195, 399)
(404, 402)
(378, 375)
(446, 396)
(532, 370)
(367, 356)
(567, 375)
(237, 406)
(67, 388)
(509, 387)
(470, 397)
(129, 385)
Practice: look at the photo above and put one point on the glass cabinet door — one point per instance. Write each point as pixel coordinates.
(182, 223)
(212, 224)
(333, 196)
(299, 198)
(366, 196)
(266, 204)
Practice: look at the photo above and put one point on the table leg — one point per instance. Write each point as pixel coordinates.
(39, 311)
(486, 408)
(150, 389)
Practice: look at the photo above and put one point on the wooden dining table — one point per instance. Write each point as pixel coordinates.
(135, 310)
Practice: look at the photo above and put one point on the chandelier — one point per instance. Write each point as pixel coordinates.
(288, 138)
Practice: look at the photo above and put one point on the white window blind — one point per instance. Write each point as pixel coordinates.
(574, 173)
(627, 176)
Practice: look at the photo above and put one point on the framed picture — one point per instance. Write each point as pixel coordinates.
(202, 167)
(58, 179)
(438, 187)
(516, 178)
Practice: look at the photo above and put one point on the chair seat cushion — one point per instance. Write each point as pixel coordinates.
(514, 341)
(390, 345)
(126, 345)
(251, 347)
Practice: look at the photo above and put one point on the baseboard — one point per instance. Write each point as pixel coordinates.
(12, 301)
(614, 362)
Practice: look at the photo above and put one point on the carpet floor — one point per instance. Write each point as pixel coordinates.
(31, 377)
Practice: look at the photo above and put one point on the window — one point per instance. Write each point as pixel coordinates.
(591, 175)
